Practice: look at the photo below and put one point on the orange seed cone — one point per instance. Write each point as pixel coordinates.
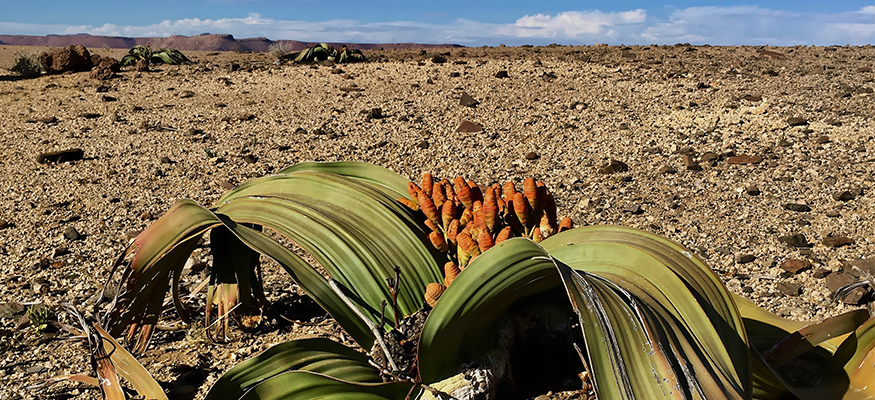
(433, 292)
(427, 183)
(438, 241)
(428, 208)
(505, 234)
(463, 192)
(490, 209)
(565, 224)
(448, 213)
(451, 271)
(485, 241)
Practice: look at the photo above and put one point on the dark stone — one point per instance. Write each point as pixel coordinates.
(374, 113)
(613, 167)
(72, 234)
(250, 159)
(633, 209)
(186, 94)
(145, 216)
(423, 144)
(744, 159)
(796, 207)
(468, 101)
(745, 258)
(837, 241)
(797, 121)
(843, 196)
(709, 156)
(752, 97)
(4, 224)
(795, 266)
(166, 160)
(438, 59)
(833, 214)
(789, 289)
(61, 156)
(795, 240)
(822, 139)
(532, 155)
(501, 74)
(691, 164)
(752, 190)
(667, 169)
(821, 273)
(108, 99)
(469, 127)
(455, 74)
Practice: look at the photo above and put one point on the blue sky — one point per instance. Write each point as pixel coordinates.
(471, 23)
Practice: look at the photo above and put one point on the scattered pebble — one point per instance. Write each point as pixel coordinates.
(795, 266)
(61, 156)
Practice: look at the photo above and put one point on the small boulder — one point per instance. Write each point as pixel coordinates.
(73, 58)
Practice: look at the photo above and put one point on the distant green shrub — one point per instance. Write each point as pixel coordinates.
(28, 66)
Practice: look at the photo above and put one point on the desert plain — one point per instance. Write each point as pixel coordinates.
(759, 160)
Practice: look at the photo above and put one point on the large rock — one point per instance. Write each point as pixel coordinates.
(73, 58)
(104, 67)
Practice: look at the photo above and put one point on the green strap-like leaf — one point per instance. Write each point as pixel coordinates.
(314, 284)
(314, 355)
(304, 385)
(357, 170)
(359, 236)
(460, 327)
(668, 295)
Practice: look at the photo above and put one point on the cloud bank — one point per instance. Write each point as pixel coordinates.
(750, 25)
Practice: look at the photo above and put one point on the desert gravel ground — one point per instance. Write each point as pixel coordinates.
(727, 150)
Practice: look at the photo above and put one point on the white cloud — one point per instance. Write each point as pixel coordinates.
(571, 24)
(699, 25)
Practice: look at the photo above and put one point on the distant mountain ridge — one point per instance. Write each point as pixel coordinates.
(203, 42)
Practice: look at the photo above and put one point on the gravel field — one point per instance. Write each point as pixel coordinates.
(733, 152)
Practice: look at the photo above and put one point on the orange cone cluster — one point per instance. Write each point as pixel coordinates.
(467, 220)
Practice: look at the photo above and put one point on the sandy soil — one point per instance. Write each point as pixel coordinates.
(560, 115)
